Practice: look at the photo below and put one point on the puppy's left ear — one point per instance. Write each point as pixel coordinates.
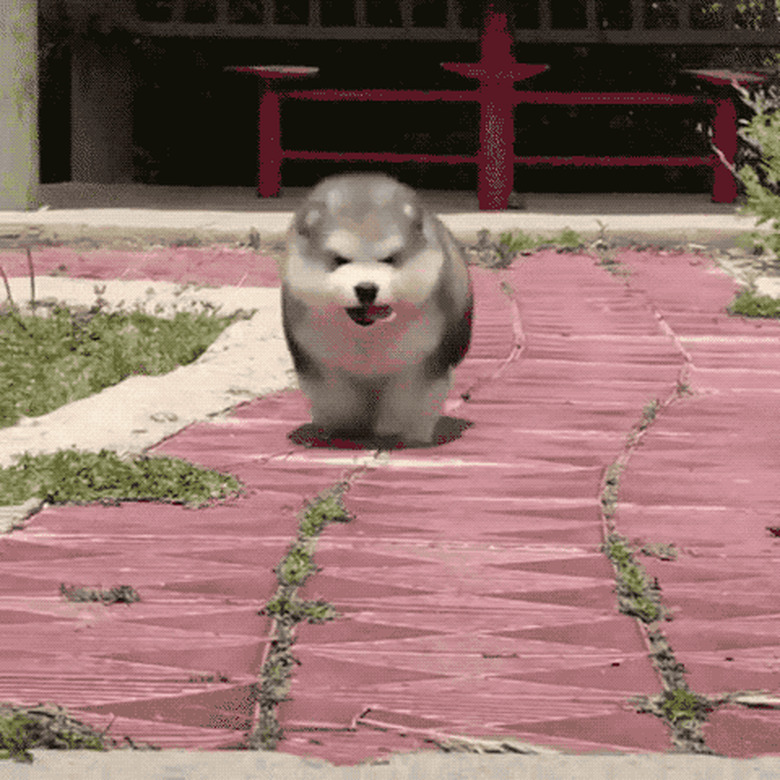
(415, 216)
(306, 221)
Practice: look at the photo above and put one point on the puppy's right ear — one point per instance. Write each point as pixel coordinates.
(307, 220)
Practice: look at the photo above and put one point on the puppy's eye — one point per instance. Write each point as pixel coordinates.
(338, 261)
(389, 260)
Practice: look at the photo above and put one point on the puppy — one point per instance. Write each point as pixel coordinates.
(377, 308)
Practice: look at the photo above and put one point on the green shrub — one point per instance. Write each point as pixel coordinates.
(760, 171)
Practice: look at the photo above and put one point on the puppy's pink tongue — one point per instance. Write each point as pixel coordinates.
(368, 315)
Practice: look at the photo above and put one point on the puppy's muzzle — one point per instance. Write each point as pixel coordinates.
(367, 313)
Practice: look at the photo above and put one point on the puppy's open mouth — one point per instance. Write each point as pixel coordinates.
(368, 315)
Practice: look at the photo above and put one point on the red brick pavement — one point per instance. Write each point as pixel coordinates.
(473, 594)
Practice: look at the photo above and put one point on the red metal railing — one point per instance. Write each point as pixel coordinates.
(496, 72)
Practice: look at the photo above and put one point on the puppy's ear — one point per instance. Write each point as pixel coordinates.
(307, 220)
(414, 214)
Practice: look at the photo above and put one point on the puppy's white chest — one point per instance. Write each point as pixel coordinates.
(385, 347)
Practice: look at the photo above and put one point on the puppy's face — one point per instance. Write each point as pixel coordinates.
(361, 243)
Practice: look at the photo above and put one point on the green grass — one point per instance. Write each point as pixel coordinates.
(518, 241)
(296, 567)
(287, 609)
(328, 509)
(120, 594)
(749, 304)
(70, 476)
(42, 727)
(609, 496)
(682, 704)
(47, 361)
(298, 611)
(636, 595)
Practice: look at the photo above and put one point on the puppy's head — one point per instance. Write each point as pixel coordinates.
(361, 242)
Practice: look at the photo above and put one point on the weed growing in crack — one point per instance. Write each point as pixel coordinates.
(609, 495)
(682, 389)
(501, 253)
(515, 242)
(682, 704)
(327, 509)
(664, 552)
(120, 594)
(298, 611)
(684, 711)
(568, 239)
(518, 242)
(681, 709)
(288, 610)
(637, 596)
(609, 262)
(649, 414)
(607, 254)
(296, 567)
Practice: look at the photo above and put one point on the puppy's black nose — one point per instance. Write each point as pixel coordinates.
(366, 293)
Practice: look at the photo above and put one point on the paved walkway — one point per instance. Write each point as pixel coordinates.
(474, 597)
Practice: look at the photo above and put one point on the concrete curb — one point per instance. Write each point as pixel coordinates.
(182, 765)
(90, 222)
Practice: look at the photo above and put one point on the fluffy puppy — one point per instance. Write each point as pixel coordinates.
(377, 307)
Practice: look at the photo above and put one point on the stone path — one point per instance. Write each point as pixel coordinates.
(473, 593)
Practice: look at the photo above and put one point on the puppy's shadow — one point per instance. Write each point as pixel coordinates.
(447, 429)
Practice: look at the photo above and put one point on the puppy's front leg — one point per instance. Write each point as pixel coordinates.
(338, 404)
(410, 406)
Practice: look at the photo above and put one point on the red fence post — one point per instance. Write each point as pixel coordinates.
(724, 128)
(269, 142)
(497, 72)
(269, 122)
(724, 138)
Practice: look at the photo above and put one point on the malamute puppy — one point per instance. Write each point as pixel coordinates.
(377, 305)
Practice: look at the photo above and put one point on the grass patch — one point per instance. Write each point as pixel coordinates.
(516, 241)
(749, 304)
(70, 476)
(48, 361)
(119, 594)
(500, 253)
(22, 730)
